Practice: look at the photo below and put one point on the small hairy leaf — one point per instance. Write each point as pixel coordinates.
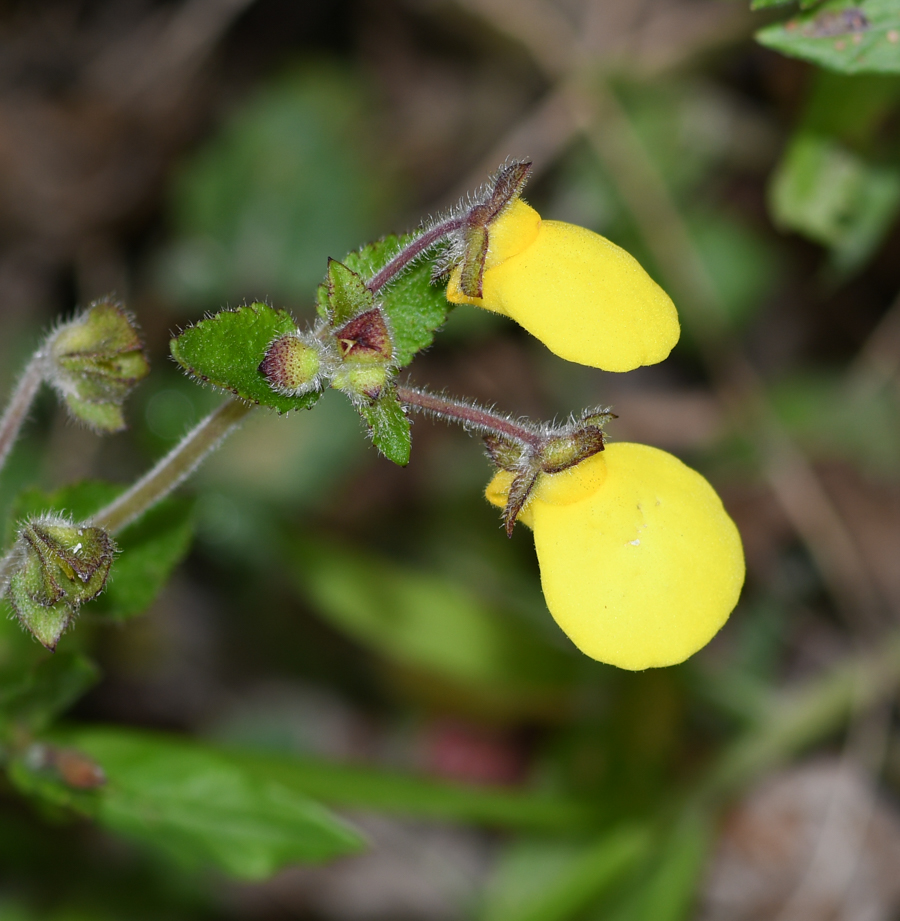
(389, 426)
(199, 805)
(227, 349)
(414, 306)
(853, 38)
(347, 293)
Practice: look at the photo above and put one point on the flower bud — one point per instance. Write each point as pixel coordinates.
(361, 382)
(94, 362)
(60, 566)
(365, 338)
(293, 364)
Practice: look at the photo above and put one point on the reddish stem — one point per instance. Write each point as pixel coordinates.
(413, 250)
(474, 417)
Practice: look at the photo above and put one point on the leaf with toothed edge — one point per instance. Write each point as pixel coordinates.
(389, 426)
(348, 295)
(851, 38)
(226, 350)
(414, 307)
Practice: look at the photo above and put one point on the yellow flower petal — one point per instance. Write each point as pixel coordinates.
(643, 570)
(515, 230)
(585, 298)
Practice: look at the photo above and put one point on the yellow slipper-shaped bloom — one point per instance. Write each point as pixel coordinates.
(640, 563)
(585, 298)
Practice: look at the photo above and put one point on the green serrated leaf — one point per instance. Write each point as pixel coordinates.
(227, 349)
(203, 806)
(389, 426)
(414, 306)
(149, 549)
(348, 295)
(849, 37)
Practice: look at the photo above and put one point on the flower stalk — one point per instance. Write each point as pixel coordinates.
(20, 403)
(412, 251)
(470, 416)
(171, 470)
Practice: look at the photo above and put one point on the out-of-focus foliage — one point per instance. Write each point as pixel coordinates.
(838, 182)
(353, 662)
(290, 177)
(853, 38)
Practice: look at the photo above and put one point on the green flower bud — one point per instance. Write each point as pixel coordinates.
(294, 364)
(95, 360)
(60, 566)
(361, 382)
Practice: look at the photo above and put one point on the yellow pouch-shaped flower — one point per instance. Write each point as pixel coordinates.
(585, 298)
(640, 563)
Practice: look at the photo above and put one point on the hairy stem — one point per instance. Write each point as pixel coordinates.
(413, 250)
(20, 403)
(469, 416)
(176, 466)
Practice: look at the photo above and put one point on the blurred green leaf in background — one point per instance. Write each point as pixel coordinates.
(289, 180)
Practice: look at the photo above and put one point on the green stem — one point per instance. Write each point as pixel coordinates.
(175, 467)
(20, 403)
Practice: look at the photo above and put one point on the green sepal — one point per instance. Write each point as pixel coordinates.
(347, 293)
(66, 560)
(149, 549)
(472, 267)
(60, 566)
(851, 39)
(95, 360)
(413, 306)
(389, 426)
(46, 622)
(102, 417)
(227, 349)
